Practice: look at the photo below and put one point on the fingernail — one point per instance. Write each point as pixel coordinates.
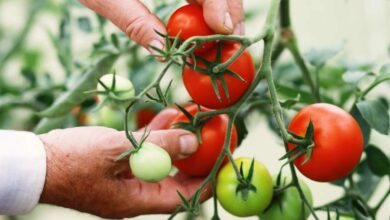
(227, 22)
(155, 44)
(188, 144)
(239, 29)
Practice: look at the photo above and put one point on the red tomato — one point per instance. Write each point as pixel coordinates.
(144, 117)
(338, 142)
(199, 85)
(213, 137)
(188, 21)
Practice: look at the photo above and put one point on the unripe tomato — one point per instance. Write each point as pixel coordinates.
(151, 163)
(288, 204)
(200, 86)
(338, 142)
(233, 201)
(187, 22)
(213, 138)
(107, 116)
(123, 87)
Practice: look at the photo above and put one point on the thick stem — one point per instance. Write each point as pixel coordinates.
(292, 45)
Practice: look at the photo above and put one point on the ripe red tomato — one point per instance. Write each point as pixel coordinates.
(200, 87)
(213, 137)
(144, 117)
(188, 21)
(338, 142)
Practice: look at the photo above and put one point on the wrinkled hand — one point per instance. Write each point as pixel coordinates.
(133, 18)
(82, 174)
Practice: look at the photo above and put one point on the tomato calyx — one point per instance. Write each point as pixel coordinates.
(136, 147)
(300, 149)
(194, 124)
(215, 76)
(245, 185)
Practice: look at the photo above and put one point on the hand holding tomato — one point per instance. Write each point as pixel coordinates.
(82, 169)
(136, 20)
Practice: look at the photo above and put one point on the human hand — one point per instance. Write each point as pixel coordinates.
(136, 20)
(82, 174)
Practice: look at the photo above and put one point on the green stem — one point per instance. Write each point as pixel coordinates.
(372, 86)
(381, 202)
(285, 21)
(215, 199)
(292, 45)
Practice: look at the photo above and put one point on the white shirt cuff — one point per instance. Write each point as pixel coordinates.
(22, 171)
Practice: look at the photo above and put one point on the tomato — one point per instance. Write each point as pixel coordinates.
(144, 117)
(187, 22)
(338, 142)
(123, 87)
(150, 163)
(107, 116)
(200, 87)
(288, 204)
(233, 201)
(213, 137)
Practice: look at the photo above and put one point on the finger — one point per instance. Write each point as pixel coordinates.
(236, 9)
(162, 197)
(223, 16)
(133, 18)
(163, 119)
(177, 142)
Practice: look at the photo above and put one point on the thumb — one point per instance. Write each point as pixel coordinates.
(133, 18)
(177, 142)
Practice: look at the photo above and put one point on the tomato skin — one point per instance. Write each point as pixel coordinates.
(213, 137)
(106, 116)
(144, 117)
(234, 203)
(188, 21)
(151, 163)
(338, 142)
(200, 87)
(288, 204)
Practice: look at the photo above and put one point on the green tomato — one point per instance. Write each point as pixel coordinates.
(235, 203)
(123, 87)
(151, 163)
(108, 116)
(288, 204)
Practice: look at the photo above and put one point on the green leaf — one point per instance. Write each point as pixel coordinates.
(377, 161)
(354, 77)
(288, 103)
(367, 183)
(84, 24)
(376, 115)
(364, 126)
(318, 57)
(75, 95)
(115, 40)
(29, 75)
(385, 70)
(242, 130)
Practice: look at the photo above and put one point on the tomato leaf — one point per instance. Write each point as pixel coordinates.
(354, 77)
(377, 161)
(318, 57)
(84, 24)
(242, 130)
(367, 182)
(376, 115)
(288, 103)
(75, 95)
(364, 126)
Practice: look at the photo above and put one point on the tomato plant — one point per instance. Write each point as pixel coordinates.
(150, 163)
(326, 143)
(248, 198)
(337, 135)
(212, 134)
(188, 21)
(287, 204)
(237, 78)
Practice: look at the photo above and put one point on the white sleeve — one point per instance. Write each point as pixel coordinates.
(22, 171)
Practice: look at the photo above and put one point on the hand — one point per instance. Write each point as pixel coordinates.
(82, 174)
(133, 18)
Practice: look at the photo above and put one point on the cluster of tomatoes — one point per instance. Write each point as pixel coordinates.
(336, 148)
